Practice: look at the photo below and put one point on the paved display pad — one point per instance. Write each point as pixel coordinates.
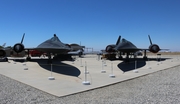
(69, 76)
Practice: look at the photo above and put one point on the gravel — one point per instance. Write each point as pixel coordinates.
(162, 87)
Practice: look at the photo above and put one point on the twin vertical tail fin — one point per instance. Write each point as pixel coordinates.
(119, 39)
(4, 45)
(19, 47)
(22, 38)
(150, 39)
(154, 48)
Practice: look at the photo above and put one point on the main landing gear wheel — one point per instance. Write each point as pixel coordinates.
(28, 58)
(6, 59)
(120, 58)
(145, 57)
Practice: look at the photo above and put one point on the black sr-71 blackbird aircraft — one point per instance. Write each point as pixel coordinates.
(125, 46)
(50, 46)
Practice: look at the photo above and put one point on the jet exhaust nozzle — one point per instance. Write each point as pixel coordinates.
(110, 48)
(2, 53)
(18, 47)
(154, 48)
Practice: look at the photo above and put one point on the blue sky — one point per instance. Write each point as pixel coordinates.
(94, 23)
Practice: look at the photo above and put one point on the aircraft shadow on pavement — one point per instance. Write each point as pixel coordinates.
(58, 67)
(128, 66)
(140, 62)
(158, 59)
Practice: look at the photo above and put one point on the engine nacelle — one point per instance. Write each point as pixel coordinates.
(68, 45)
(110, 48)
(2, 53)
(18, 47)
(154, 48)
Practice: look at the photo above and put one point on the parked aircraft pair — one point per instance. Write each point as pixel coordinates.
(125, 46)
(53, 45)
